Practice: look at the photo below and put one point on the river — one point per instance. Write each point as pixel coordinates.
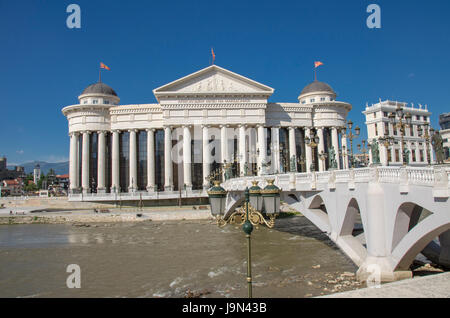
(169, 259)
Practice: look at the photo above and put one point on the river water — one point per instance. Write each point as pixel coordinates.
(168, 259)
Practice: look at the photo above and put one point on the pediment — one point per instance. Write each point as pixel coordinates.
(213, 80)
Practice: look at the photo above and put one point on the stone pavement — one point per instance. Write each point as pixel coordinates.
(432, 286)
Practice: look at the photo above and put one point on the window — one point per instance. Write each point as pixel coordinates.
(389, 155)
(385, 114)
(303, 101)
(413, 155)
(95, 101)
(425, 118)
(395, 131)
(85, 101)
(421, 155)
(106, 102)
(411, 131)
(374, 115)
(386, 129)
(322, 99)
(397, 155)
(312, 100)
(376, 130)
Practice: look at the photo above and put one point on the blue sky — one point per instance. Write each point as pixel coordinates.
(44, 65)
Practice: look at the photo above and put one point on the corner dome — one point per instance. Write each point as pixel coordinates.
(99, 88)
(317, 86)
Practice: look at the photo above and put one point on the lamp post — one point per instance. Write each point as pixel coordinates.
(312, 141)
(423, 132)
(404, 121)
(387, 142)
(257, 202)
(352, 136)
(363, 149)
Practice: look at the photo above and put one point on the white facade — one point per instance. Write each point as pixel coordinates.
(201, 122)
(379, 126)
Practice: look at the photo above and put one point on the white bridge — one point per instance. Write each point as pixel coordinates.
(401, 209)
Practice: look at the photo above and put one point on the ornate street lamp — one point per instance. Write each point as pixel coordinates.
(352, 136)
(247, 216)
(312, 141)
(363, 149)
(271, 196)
(387, 142)
(404, 121)
(256, 199)
(423, 132)
(217, 198)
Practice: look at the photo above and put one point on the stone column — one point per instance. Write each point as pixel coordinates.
(85, 163)
(345, 151)
(275, 150)
(168, 168)
(417, 152)
(73, 177)
(224, 143)
(320, 147)
(335, 143)
(242, 148)
(101, 188)
(262, 149)
(151, 160)
(292, 149)
(187, 153)
(115, 163)
(133, 161)
(308, 151)
(206, 158)
(383, 155)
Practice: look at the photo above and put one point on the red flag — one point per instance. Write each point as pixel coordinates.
(104, 66)
(213, 55)
(317, 64)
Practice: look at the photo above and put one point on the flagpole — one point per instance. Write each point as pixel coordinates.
(100, 75)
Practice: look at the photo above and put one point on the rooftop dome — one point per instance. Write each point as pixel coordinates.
(99, 88)
(317, 86)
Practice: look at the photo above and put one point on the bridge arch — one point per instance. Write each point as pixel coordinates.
(408, 215)
(417, 239)
(351, 238)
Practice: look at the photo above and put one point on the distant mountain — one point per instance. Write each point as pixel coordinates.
(59, 167)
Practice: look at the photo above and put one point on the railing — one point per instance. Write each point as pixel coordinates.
(436, 177)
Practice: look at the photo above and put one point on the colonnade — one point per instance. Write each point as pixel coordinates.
(267, 163)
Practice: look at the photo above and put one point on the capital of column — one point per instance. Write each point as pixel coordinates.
(150, 129)
(74, 133)
(102, 132)
(224, 126)
(87, 132)
(117, 131)
(133, 130)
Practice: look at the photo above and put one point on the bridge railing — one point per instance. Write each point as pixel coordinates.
(436, 177)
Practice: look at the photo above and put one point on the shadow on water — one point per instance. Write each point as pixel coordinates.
(301, 226)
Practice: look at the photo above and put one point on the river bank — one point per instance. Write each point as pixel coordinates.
(21, 216)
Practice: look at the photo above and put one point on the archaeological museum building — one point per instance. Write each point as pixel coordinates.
(212, 124)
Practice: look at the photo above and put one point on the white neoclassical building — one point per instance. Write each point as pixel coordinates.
(379, 127)
(209, 119)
